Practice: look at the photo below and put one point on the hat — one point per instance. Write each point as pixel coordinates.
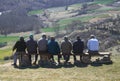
(43, 34)
(31, 36)
(92, 36)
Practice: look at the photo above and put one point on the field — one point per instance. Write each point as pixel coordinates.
(9, 42)
(90, 72)
(5, 52)
(8, 38)
(35, 12)
(103, 1)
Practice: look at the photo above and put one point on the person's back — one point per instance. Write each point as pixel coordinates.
(66, 47)
(31, 46)
(53, 47)
(78, 47)
(93, 44)
(20, 45)
(42, 44)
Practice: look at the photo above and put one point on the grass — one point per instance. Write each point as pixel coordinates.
(34, 12)
(103, 1)
(101, 10)
(75, 6)
(8, 38)
(83, 19)
(51, 29)
(89, 73)
(5, 52)
(69, 20)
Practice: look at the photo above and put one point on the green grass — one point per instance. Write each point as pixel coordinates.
(51, 29)
(102, 10)
(8, 38)
(69, 20)
(103, 1)
(83, 19)
(74, 6)
(5, 52)
(34, 12)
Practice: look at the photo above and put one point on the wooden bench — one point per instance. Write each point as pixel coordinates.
(100, 54)
(85, 57)
(105, 56)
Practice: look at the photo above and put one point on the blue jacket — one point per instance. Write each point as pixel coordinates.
(53, 47)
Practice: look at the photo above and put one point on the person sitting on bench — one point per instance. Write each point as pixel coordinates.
(32, 49)
(54, 49)
(20, 47)
(66, 48)
(78, 47)
(93, 45)
(42, 47)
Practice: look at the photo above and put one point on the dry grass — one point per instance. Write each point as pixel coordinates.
(89, 73)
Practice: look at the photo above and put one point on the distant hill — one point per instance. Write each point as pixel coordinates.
(35, 4)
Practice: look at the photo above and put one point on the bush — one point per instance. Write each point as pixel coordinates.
(8, 57)
(3, 44)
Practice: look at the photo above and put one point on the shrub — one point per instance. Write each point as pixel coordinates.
(3, 44)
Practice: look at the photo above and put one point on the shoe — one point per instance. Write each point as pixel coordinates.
(34, 63)
(59, 63)
(15, 65)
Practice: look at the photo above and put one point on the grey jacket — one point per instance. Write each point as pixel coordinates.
(42, 44)
(66, 47)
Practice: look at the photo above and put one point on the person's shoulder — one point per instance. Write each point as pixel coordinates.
(17, 41)
(95, 39)
(62, 41)
(27, 40)
(39, 40)
(55, 42)
(69, 41)
(82, 41)
(75, 41)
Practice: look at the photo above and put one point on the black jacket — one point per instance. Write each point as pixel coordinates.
(20, 46)
(78, 47)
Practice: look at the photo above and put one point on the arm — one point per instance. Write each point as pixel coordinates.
(58, 47)
(88, 43)
(15, 46)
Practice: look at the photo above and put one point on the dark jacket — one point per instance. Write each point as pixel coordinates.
(20, 46)
(53, 47)
(78, 47)
(31, 46)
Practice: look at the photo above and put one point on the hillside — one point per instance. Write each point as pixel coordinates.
(34, 4)
(22, 14)
(83, 19)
